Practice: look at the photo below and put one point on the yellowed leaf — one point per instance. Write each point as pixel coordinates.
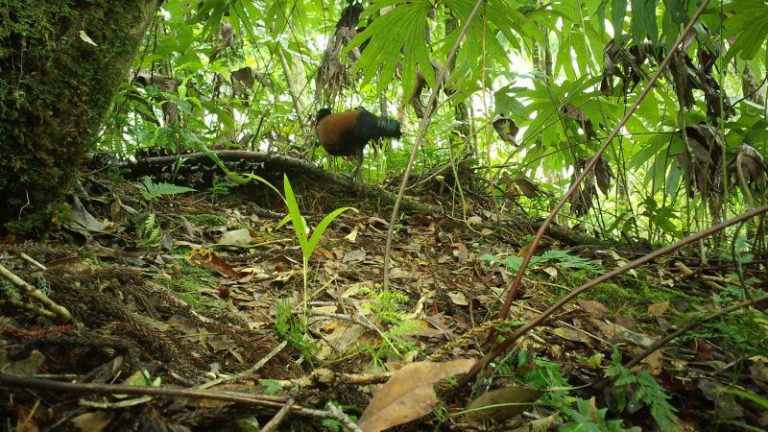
(658, 309)
(352, 236)
(92, 421)
(571, 335)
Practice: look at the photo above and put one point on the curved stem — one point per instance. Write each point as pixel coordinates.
(428, 111)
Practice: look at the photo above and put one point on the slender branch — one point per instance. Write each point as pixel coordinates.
(248, 373)
(247, 398)
(425, 120)
(237, 397)
(502, 346)
(35, 293)
(281, 415)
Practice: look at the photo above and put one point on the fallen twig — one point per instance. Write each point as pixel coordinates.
(275, 421)
(228, 396)
(247, 373)
(35, 293)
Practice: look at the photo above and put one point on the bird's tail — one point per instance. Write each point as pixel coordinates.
(388, 127)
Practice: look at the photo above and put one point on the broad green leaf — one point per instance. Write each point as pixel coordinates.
(299, 227)
(379, 59)
(618, 11)
(323, 225)
(644, 21)
(748, 24)
(677, 12)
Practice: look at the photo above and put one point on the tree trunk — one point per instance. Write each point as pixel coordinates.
(61, 63)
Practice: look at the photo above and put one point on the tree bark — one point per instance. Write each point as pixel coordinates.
(61, 63)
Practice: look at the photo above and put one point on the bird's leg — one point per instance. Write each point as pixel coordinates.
(356, 171)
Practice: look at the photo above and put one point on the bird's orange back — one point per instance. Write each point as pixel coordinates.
(331, 128)
(347, 133)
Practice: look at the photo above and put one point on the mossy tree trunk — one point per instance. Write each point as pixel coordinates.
(61, 63)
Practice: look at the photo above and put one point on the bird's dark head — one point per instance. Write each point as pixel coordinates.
(322, 112)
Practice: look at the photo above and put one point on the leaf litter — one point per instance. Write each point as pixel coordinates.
(207, 297)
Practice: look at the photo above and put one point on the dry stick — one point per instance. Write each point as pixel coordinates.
(275, 421)
(502, 346)
(247, 398)
(515, 284)
(35, 293)
(339, 415)
(682, 330)
(248, 373)
(32, 261)
(420, 137)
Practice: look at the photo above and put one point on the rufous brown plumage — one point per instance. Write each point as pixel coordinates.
(347, 133)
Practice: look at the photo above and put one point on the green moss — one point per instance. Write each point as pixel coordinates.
(616, 297)
(188, 285)
(54, 91)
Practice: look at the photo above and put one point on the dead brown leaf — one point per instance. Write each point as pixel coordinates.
(571, 335)
(209, 259)
(658, 309)
(655, 362)
(92, 421)
(593, 308)
(409, 395)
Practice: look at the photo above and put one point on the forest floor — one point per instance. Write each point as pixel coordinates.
(201, 299)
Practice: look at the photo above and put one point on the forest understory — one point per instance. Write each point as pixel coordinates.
(196, 303)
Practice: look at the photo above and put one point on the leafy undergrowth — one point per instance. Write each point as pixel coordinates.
(170, 290)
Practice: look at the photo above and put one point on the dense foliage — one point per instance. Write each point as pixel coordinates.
(532, 92)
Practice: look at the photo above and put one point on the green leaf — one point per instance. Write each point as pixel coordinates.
(748, 25)
(507, 103)
(618, 11)
(644, 21)
(153, 190)
(385, 45)
(676, 10)
(299, 226)
(323, 225)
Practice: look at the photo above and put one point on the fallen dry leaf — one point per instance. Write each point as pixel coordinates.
(571, 335)
(239, 237)
(92, 421)
(593, 308)
(409, 395)
(658, 309)
(356, 255)
(616, 331)
(458, 298)
(209, 259)
(655, 362)
(503, 403)
(352, 236)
